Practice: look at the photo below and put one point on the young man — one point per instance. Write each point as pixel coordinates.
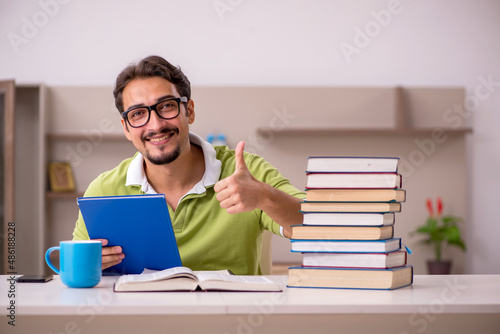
(220, 200)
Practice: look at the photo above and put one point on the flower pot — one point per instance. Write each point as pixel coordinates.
(439, 268)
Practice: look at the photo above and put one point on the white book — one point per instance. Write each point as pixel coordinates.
(355, 260)
(367, 207)
(353, 180)
(348, 218)
(354, 246)
(352, 164)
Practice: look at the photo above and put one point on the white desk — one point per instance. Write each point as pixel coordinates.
(433, 304)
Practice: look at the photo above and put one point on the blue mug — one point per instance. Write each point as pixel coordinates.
(80, 262)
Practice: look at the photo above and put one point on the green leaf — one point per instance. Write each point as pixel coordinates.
(441, 230)
(458, 243)
(451, 233)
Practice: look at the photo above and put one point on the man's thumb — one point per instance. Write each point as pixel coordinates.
(240, 159)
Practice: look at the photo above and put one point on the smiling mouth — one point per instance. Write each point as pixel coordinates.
(164, 137)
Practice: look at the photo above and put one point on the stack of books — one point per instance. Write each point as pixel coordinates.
(347, 236)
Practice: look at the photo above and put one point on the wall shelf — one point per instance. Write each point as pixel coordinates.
(52, 195)
(362, 131)
(52, 137)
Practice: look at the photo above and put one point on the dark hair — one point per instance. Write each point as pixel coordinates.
(152, 66)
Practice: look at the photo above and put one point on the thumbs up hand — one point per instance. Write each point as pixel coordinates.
(240, 191)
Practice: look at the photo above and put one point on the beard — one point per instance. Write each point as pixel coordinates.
(164, 157)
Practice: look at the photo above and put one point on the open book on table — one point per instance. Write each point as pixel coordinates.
(185, 279)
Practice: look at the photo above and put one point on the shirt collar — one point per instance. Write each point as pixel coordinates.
(137, 177)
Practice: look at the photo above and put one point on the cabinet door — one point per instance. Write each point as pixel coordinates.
(7, 98)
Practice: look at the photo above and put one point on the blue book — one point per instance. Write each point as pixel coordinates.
(350, 278)
(140, 224)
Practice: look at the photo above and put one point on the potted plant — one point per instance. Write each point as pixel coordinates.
(439, 231)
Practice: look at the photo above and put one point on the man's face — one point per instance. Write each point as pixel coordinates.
(160, 141)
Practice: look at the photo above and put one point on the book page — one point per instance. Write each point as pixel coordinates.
(220, 276)
(150, 276)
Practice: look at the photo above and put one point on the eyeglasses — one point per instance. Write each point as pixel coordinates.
(166, 109)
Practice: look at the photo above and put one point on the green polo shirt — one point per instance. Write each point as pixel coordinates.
(207, 236)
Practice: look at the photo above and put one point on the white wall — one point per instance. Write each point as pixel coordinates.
(422, 43)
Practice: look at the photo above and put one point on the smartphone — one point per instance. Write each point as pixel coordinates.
(34, 278)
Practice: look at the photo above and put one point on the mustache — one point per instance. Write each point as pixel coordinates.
(162, 131)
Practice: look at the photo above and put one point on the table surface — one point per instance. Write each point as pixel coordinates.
(472, 294)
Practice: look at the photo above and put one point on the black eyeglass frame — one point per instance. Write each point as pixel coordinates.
(182, 99)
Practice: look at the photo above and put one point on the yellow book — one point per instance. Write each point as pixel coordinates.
(349, 278)
(356, 195)
(315, 232)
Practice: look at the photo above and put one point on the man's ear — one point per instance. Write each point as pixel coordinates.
(125, 129)
(190, 111)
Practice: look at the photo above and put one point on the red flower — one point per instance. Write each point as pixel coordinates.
(429, 207)
(439, 206)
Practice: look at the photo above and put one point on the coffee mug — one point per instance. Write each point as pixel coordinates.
(80, 262)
